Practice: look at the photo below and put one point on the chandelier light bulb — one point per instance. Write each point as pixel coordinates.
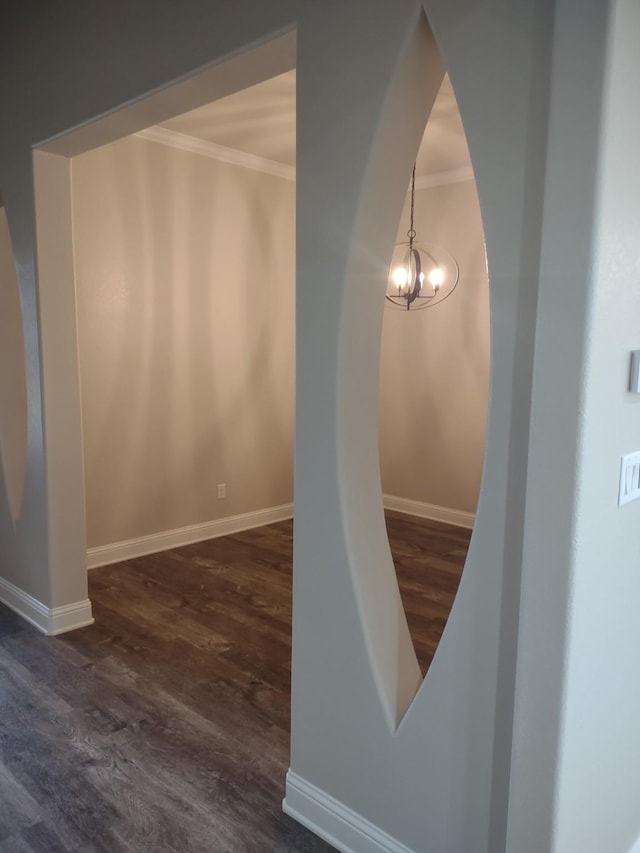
(400, 277)
(436, 278)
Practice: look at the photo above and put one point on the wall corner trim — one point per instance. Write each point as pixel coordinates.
(424, 510)
(345, 829)
(104, 555)
(49, 620)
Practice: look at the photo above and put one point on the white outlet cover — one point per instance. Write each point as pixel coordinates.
(629, 479)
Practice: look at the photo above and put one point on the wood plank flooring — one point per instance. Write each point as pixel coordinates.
(429, 558)
(164, 726)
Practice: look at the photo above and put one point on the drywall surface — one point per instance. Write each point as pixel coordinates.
(576, 687)
(61, 392)
(434, 366)
(79, 65)
(13, 380)
(599, 743)
(185, 289)
(441, 777)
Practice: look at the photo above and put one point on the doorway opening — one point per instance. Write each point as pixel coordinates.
(184, 260)
(155, 261)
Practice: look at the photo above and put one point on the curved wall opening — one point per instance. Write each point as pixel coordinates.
(13, 377)
(433, 393)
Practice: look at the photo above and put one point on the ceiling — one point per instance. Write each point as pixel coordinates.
(261, 120)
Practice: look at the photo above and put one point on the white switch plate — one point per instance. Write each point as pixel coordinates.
(629, 479)
(222, 490)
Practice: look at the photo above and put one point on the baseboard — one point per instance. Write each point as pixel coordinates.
(49, 620)
(328, 818)
(430, 511)
(104, 555)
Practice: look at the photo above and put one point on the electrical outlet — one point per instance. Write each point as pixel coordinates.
(222, 491)
(629, 479)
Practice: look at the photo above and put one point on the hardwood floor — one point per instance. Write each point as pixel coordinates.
(429, 559)
(164, 726)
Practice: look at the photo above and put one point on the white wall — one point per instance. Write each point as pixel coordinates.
(467, 759)
(580, 631)
(185, 288)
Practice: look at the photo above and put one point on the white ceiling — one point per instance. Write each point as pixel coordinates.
(261, 121)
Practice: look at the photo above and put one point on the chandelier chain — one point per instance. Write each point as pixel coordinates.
(411, 233)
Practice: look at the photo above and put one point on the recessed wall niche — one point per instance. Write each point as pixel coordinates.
(13, 384)
(434, 381)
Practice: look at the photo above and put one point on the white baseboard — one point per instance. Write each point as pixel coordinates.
(430, 511)
(104, 555)
(49, 620)
(346, 830)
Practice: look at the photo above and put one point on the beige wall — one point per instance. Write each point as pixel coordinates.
(185, 288)
(13, 384)
(188, 382)
(434, 366)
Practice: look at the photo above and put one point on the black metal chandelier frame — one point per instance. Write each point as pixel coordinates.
(411, 292)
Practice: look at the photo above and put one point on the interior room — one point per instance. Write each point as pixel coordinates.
(185, 296)
(185, 281)
(191, 697)
(184, 266)
(183, 239)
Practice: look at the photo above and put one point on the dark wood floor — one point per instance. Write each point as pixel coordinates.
(164, 726)
(429, 558)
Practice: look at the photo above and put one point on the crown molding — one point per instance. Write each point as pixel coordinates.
(217, 152)
(438, 179)
(222, 153)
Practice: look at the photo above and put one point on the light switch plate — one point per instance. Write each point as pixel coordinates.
(629, 479)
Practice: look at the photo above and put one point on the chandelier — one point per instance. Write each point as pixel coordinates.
(421, 274)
